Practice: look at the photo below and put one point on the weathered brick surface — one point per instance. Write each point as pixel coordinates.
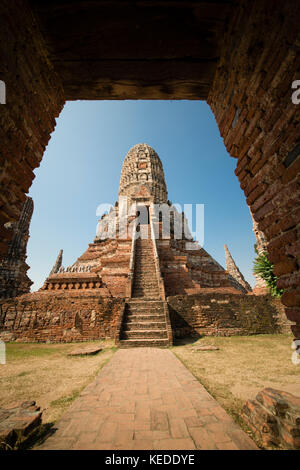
(34, 97)
(251, 100)
(274, 417)
(105, 264)
(13, 267)
(220, 314)
(60, 317)
(234, 272)
(18, 422)
(91, 314)
(187, 270)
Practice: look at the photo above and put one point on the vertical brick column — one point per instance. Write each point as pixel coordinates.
(251, 101)
(34, 97)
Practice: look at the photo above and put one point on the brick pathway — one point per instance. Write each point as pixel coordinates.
(145, 398)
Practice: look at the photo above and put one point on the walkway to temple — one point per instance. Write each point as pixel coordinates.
(145, 398)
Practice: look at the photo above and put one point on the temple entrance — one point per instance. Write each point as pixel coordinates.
(142, 211)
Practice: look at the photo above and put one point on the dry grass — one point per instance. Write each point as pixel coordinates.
(243, 366)
(235, 373)
(44, 373)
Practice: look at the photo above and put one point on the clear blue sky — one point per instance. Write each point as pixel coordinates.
(82, 164)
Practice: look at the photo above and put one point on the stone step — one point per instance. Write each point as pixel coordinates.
(138, 297)
(141, 295)
(142, 264)
(148, 285)
(144, 249)
(150, 269)
(145, 318)
(144, 260)
(140, 287)
(146, 343)
(144, 325)
(144, 309)
(150, 277)
(145, 282)
(146, 294)
(145, 306)
(147, 290)
(140, 302)
(150, 334)
(144, 254)
(145, 270)
(138, 277)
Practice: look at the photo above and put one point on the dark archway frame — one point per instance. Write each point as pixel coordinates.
(240, 56)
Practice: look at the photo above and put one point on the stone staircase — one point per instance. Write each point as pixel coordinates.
(144, 322)
(145, 283)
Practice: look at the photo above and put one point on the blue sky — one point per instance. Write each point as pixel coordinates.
(82, 165)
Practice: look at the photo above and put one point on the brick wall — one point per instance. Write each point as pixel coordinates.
(90, 315)
(226, 315)
(59, 317)
(251, 101)
(34, 97)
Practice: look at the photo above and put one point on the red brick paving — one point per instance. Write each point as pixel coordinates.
(145, 398)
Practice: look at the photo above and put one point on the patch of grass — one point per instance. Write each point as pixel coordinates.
(22, 374)
(66, 400)
(44, 373)
(17, 351)
(242, 367)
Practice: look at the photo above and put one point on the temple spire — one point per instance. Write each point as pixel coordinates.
(58, 263)
(235, 273)
(261, 247)
(13, 267)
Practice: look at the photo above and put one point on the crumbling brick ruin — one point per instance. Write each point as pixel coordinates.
(243, 57)
(13, 268)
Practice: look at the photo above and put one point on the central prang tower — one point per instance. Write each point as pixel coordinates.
(142, 177)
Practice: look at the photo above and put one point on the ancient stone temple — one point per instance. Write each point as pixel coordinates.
(182, 266)
(144, 278)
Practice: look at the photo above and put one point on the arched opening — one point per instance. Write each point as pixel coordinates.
(242, 58)
(244, 75)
